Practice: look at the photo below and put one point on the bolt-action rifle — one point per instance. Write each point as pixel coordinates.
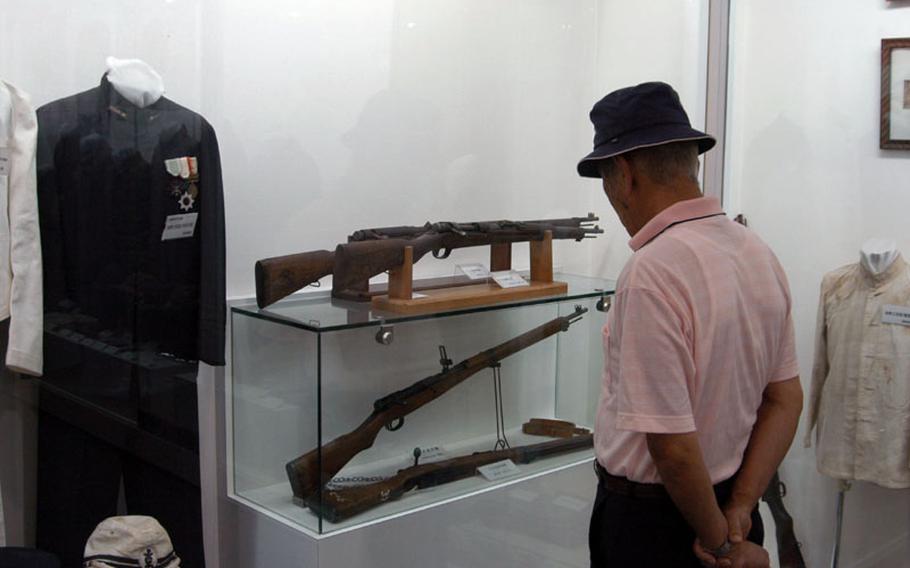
(317, 467)
(788, 552)
(369, 252)
(337, 505)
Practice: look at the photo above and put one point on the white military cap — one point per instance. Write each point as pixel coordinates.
(130, 542)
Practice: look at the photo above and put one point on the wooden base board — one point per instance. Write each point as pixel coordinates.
(468, 297)
(382, 288)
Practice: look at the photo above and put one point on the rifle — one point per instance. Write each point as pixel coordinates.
(788, 552)
(357, 262)
(280, 276)
(312, 470)
(337, 505)
(552, 428)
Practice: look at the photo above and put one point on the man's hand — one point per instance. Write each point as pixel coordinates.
(749, 555)
(739, 522)
(743, 555)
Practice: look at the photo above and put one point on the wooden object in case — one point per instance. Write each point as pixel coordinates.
(401, 298)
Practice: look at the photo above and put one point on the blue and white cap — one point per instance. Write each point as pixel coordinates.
(131, 541)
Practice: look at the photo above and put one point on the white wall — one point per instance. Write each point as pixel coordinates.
(805, 168)
(343, 115)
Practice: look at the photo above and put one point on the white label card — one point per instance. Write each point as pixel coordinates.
(899, 315)
(4, 162)
(498, 470)
(474, 271)
(179, 226)
(434, 453)
(509, 279)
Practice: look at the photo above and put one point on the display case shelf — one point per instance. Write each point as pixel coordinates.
(309, 369)
(318, 311)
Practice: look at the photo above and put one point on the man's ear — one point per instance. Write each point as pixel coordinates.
(625, 179)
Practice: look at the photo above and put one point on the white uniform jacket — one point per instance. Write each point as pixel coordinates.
(860, 398)
(20, 244)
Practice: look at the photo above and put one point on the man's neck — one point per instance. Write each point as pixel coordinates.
(657, 198)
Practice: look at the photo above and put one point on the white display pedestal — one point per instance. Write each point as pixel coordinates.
(539, 522)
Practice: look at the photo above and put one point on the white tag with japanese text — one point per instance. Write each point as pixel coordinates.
(474, 271)
(179, 226)
(432, 454)
(509, 279)
(498, 470)
(899, 315)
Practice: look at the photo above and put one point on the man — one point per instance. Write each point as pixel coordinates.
(701, 393)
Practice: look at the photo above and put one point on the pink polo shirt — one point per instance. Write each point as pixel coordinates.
(699, 326)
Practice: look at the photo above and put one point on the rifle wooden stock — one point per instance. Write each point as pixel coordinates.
(337, 505)
(357, 262)
(281, 276)
(788, 552)
(315, 468)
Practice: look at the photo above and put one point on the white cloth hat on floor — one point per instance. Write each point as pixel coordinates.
(130, 542)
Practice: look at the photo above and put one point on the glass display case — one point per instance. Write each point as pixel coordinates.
(342, 415)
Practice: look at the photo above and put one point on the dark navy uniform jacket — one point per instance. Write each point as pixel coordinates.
(105, 195)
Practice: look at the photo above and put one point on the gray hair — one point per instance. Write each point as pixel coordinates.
(663, 163)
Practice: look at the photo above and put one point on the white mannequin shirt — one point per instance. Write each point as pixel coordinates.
(876, 255)
(135, 80)
(859, 403)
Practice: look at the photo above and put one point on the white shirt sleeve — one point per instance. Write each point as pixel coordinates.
(820, 368)
(24, 352)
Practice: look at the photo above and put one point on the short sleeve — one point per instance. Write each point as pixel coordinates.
(655, 368)
(786, 365)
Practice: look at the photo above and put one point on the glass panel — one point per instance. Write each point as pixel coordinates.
(319, 312)
(275, 407)
(331, 116)
(458, 423)
(580, 364)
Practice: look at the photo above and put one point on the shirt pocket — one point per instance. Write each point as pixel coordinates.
(892, 368)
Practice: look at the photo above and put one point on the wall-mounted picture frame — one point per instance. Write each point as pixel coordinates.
(895, 119)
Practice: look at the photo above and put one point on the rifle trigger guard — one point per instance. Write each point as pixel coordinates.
(442, 253)
(395, 424)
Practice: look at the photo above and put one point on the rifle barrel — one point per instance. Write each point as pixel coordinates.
(357, 262)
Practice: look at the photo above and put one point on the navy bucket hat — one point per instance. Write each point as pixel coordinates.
(645, 115)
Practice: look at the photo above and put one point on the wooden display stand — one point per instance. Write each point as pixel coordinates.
(400, 298)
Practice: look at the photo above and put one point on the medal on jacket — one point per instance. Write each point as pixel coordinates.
(186, 190)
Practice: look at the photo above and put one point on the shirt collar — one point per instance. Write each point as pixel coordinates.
(875, 280)
(681, 211)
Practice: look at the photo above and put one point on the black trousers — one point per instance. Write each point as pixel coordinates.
(79, 480)
(648, 532)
